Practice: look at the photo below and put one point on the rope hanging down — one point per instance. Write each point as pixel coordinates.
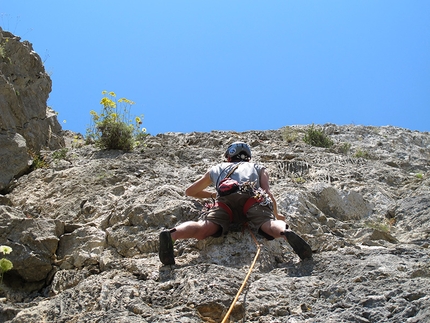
(246, 278)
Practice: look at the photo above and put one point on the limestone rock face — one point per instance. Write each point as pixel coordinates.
(84, 233)
(24, 91)
(14, 159)
(34, 242)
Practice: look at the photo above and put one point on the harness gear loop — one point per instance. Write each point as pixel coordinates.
(250, 202)
(258, 195)
(245, 280)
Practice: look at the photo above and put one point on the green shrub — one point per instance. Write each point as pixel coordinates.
(341, 148)
(316, 137)
(39, 161)
(379, 226)
(2, 51)
(3, 47)
(289, 134)
(112, 128)
(345, 148)
(116, 135)
(299, 180)
(60, 154)
(362, 154)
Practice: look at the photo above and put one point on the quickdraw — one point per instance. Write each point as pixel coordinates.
(258, 194)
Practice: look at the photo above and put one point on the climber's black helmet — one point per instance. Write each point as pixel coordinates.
(238, 151)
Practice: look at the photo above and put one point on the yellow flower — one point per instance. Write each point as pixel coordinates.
(104, 92)
(138, 120)
(143, 129)
(112, 94)
(126, 101)
(107, 102)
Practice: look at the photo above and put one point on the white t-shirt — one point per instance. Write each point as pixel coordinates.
(246, 171)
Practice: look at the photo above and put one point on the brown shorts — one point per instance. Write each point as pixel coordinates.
(255, 217)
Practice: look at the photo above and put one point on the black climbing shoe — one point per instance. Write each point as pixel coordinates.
(299, 245)
(165, 251)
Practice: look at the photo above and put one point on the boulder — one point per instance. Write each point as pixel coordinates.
(34, 242)
(82, 247)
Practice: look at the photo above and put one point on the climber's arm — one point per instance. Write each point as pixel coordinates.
(264, 183)
(197, 189)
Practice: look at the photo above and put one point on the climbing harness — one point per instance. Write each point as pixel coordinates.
(258, 196)
(245, 280)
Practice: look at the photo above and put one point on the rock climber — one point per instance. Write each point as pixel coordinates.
(243, 196)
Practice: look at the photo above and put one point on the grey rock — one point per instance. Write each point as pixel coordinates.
(14, 158)
(24, 91)
(34, 242)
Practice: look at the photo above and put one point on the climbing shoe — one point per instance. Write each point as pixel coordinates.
(165, 251)
(299, 245)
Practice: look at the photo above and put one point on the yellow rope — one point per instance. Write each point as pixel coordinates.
(246, 279)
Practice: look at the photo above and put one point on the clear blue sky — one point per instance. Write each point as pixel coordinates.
(234, 65)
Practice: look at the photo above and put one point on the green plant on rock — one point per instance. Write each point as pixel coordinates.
(39, 161)
(60, 154)
(299, 180)
(419, 176)
(113, 127)
(5, 264)
(2, 51)
(3, 47)
(362, 154)
(345, 148)
(379, 226)
(289, 134)
(316, 137)
(77, 142)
